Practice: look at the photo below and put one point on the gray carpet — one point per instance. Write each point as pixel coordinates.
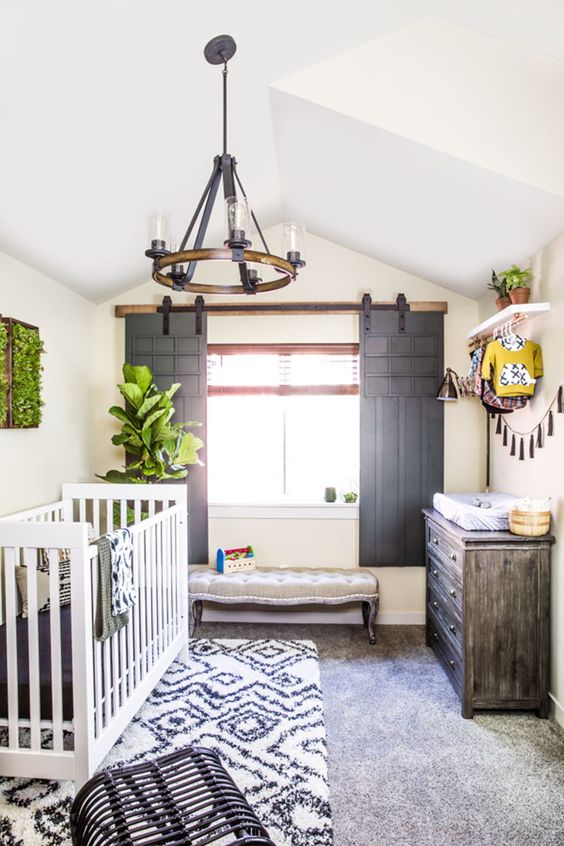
(404, 768)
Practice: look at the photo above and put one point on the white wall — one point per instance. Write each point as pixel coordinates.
(35, 462)
(333, 273)
(543, 476)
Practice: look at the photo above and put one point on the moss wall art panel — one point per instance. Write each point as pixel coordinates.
(21, 370)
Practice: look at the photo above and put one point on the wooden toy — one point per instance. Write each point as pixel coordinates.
(235, 560)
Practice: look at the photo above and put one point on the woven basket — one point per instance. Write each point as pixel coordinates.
(530, 524)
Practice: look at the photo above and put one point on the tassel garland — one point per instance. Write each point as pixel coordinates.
(536, 436)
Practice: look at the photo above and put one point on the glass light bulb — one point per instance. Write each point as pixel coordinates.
(293, 234)
(238, 218)
(158, 229)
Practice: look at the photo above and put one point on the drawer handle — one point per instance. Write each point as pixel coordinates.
(453, 629)
(452, 664)
(453, 556)
(435, 604)
(435, 540)
(453, 592)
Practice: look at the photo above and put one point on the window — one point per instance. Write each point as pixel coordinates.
(283, 421)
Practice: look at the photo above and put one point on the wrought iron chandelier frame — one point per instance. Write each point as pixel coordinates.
(237, 248)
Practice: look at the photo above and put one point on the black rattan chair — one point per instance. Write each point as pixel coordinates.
(182, 799)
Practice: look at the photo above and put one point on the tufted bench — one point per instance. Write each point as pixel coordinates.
(276, 587)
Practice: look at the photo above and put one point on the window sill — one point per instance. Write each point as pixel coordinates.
(285, 511)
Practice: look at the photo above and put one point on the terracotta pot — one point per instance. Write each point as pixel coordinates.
(518, 296)
(502, 302)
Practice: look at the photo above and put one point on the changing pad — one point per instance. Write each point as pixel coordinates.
(459, 509)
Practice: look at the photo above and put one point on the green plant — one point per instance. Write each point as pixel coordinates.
(3, 380)
(517, 278)
(27, 349)
(498, 284)
(160, 449)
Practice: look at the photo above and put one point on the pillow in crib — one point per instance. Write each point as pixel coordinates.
(43, 601)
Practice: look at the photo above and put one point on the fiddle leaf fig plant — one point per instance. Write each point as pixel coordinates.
(515, 277)
(160, 448)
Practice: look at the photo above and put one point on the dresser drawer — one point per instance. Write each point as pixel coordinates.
(443, 545)
(447, 650)
(441, 576)
(443, 608)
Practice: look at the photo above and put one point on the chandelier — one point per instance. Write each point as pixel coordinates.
(175, 266)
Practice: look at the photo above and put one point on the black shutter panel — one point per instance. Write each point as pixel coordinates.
(180, 356)
(401, 434)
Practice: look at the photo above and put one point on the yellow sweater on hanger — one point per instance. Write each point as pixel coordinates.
(513, 365)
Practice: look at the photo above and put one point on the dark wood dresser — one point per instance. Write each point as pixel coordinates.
(488, 614)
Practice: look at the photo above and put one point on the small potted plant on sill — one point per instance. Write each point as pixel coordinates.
(499, 286)
(517, 283)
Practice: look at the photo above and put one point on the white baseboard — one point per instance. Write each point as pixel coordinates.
(558, 710)
(222, 614)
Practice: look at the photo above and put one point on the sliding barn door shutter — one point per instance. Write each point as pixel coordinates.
(180, 356)
(401, 434)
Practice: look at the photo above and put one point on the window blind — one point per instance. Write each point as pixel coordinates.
(321, 369)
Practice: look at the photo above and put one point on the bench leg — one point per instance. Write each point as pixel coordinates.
(194, 614)
(369, 611)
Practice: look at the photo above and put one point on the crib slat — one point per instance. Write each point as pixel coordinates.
(159, 584)
(123, 514)
(96, 652)
(115, 672)
(82, 510)
(130, 662)
(95, 503)
(107, 683)
(153, 577)
(142, 602)
(56, 659)
(109, 515)
(30, 559)
(11, 647)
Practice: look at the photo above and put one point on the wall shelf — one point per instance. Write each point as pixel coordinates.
(520, 312)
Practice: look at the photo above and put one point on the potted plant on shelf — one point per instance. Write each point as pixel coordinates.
(517, 283)
(499, 286)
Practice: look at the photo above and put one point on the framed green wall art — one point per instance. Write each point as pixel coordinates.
(21, 370)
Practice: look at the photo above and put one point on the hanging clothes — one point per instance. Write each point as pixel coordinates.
(513, 364)
(483, 388)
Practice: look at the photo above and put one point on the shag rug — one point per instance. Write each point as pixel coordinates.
(257, 703)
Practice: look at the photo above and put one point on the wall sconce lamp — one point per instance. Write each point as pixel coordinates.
(450, 387)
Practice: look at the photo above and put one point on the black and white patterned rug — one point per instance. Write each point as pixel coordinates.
(257, 703)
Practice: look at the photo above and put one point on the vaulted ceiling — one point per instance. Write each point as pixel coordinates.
(426, 134)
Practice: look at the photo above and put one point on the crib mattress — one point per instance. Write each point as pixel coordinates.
(44, 666)
(459, 508)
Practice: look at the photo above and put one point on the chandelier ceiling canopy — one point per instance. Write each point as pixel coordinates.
(174, 266)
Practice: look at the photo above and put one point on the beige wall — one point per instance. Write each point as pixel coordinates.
(544, 475)
(35, 462)
(333, 273)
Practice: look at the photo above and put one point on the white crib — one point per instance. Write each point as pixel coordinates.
(110, 680)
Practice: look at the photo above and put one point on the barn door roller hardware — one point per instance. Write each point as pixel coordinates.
(401, 306)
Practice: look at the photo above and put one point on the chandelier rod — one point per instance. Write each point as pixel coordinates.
(224, 72)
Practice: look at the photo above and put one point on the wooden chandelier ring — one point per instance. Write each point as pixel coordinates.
(224, 254)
